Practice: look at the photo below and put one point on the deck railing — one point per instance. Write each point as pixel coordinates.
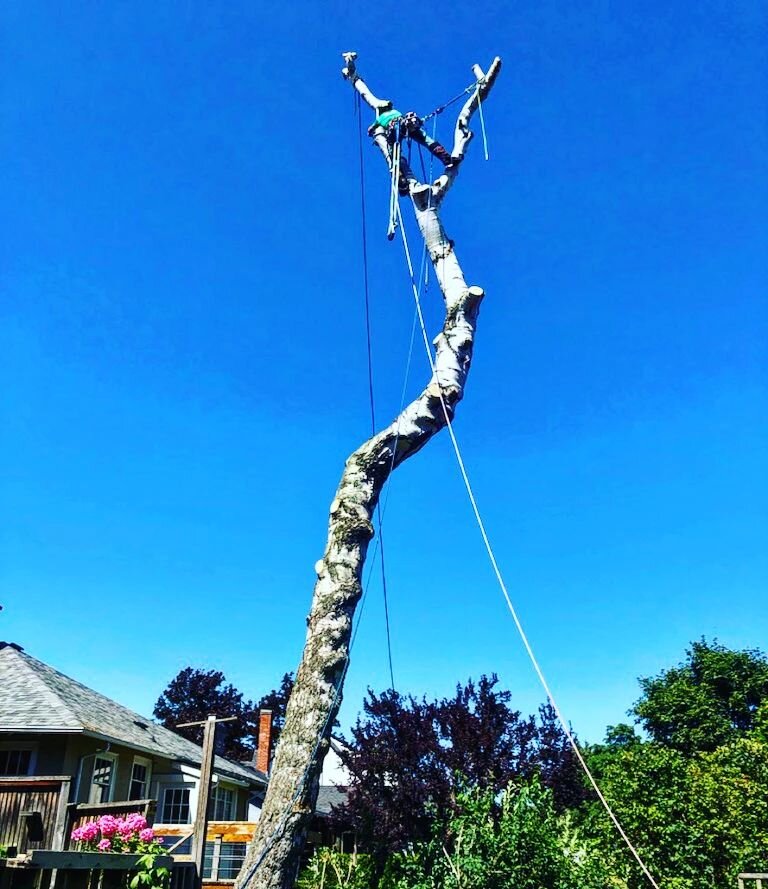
(225, 847)
(752, 881)
(83, 813)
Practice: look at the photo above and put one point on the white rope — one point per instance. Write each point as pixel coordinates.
(482, 123)
(500, 579)
(393, 191)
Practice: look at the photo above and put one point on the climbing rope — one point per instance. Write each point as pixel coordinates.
(366, 291)
(482, 123)
(441, 108)
(500, 578)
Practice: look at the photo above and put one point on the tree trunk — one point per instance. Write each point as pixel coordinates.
(274, 854)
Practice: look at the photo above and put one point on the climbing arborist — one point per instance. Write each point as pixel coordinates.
(399, 127)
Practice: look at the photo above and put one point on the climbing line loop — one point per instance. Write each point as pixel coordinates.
(499, 577)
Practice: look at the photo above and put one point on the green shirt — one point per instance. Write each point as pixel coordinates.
(387, 117)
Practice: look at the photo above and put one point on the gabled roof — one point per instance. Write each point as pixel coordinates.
(36, 698)
(329, 796)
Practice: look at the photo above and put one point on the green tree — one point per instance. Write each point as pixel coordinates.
(492, 841)
(697, 820)
(192, 694)
(707, 701)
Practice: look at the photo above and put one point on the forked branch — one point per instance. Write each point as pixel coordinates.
(462, 133)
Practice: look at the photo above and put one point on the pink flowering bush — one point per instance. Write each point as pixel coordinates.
(110, 834)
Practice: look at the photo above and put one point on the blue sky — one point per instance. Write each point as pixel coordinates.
(183, 346)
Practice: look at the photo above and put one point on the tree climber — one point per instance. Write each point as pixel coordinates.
(397, 127)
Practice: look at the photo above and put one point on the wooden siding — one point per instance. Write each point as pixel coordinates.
(44, 796)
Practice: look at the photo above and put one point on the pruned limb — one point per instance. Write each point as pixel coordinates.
(349, 72)
(462, 135)
(274, 854)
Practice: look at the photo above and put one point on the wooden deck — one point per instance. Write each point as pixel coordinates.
(37, 820)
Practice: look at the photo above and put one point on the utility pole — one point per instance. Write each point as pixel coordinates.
(204, 789)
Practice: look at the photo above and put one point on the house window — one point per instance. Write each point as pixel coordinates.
(176, 805)
(228, 862)
(231, 859)
(102, 779)
(15, 762)
(222, 804)
(140, 774)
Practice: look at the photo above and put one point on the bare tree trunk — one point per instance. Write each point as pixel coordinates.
(274, 854)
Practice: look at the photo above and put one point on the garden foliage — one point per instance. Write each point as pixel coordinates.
(467, 794)
(493, 841)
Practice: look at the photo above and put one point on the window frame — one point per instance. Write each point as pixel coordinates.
(164, 788)
(113, 758)
(220, 861)
(20, 747)
(215, 801)
(147, 764)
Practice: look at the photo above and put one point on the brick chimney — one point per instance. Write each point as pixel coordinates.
(265, 741)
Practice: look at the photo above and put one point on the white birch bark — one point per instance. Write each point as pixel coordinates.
(274, 854)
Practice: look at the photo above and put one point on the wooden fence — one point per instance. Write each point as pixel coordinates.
(753, 881)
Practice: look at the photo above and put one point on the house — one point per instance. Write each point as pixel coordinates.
(327, 829)
(68, 754)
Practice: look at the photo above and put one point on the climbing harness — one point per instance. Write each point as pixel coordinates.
(399, 128)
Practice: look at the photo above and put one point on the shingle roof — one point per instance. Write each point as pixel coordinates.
(329, 796)
(35, 697)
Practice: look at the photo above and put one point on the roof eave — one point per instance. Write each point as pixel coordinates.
(155, 751)
(41, 730)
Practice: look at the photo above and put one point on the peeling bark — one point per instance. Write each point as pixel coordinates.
(274, 854)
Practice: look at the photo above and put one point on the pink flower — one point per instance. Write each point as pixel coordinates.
(108, 825)
(124, 829)
(160, 840)
(86, 833)
(146, 835)
(136, 822)
(104, 845)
